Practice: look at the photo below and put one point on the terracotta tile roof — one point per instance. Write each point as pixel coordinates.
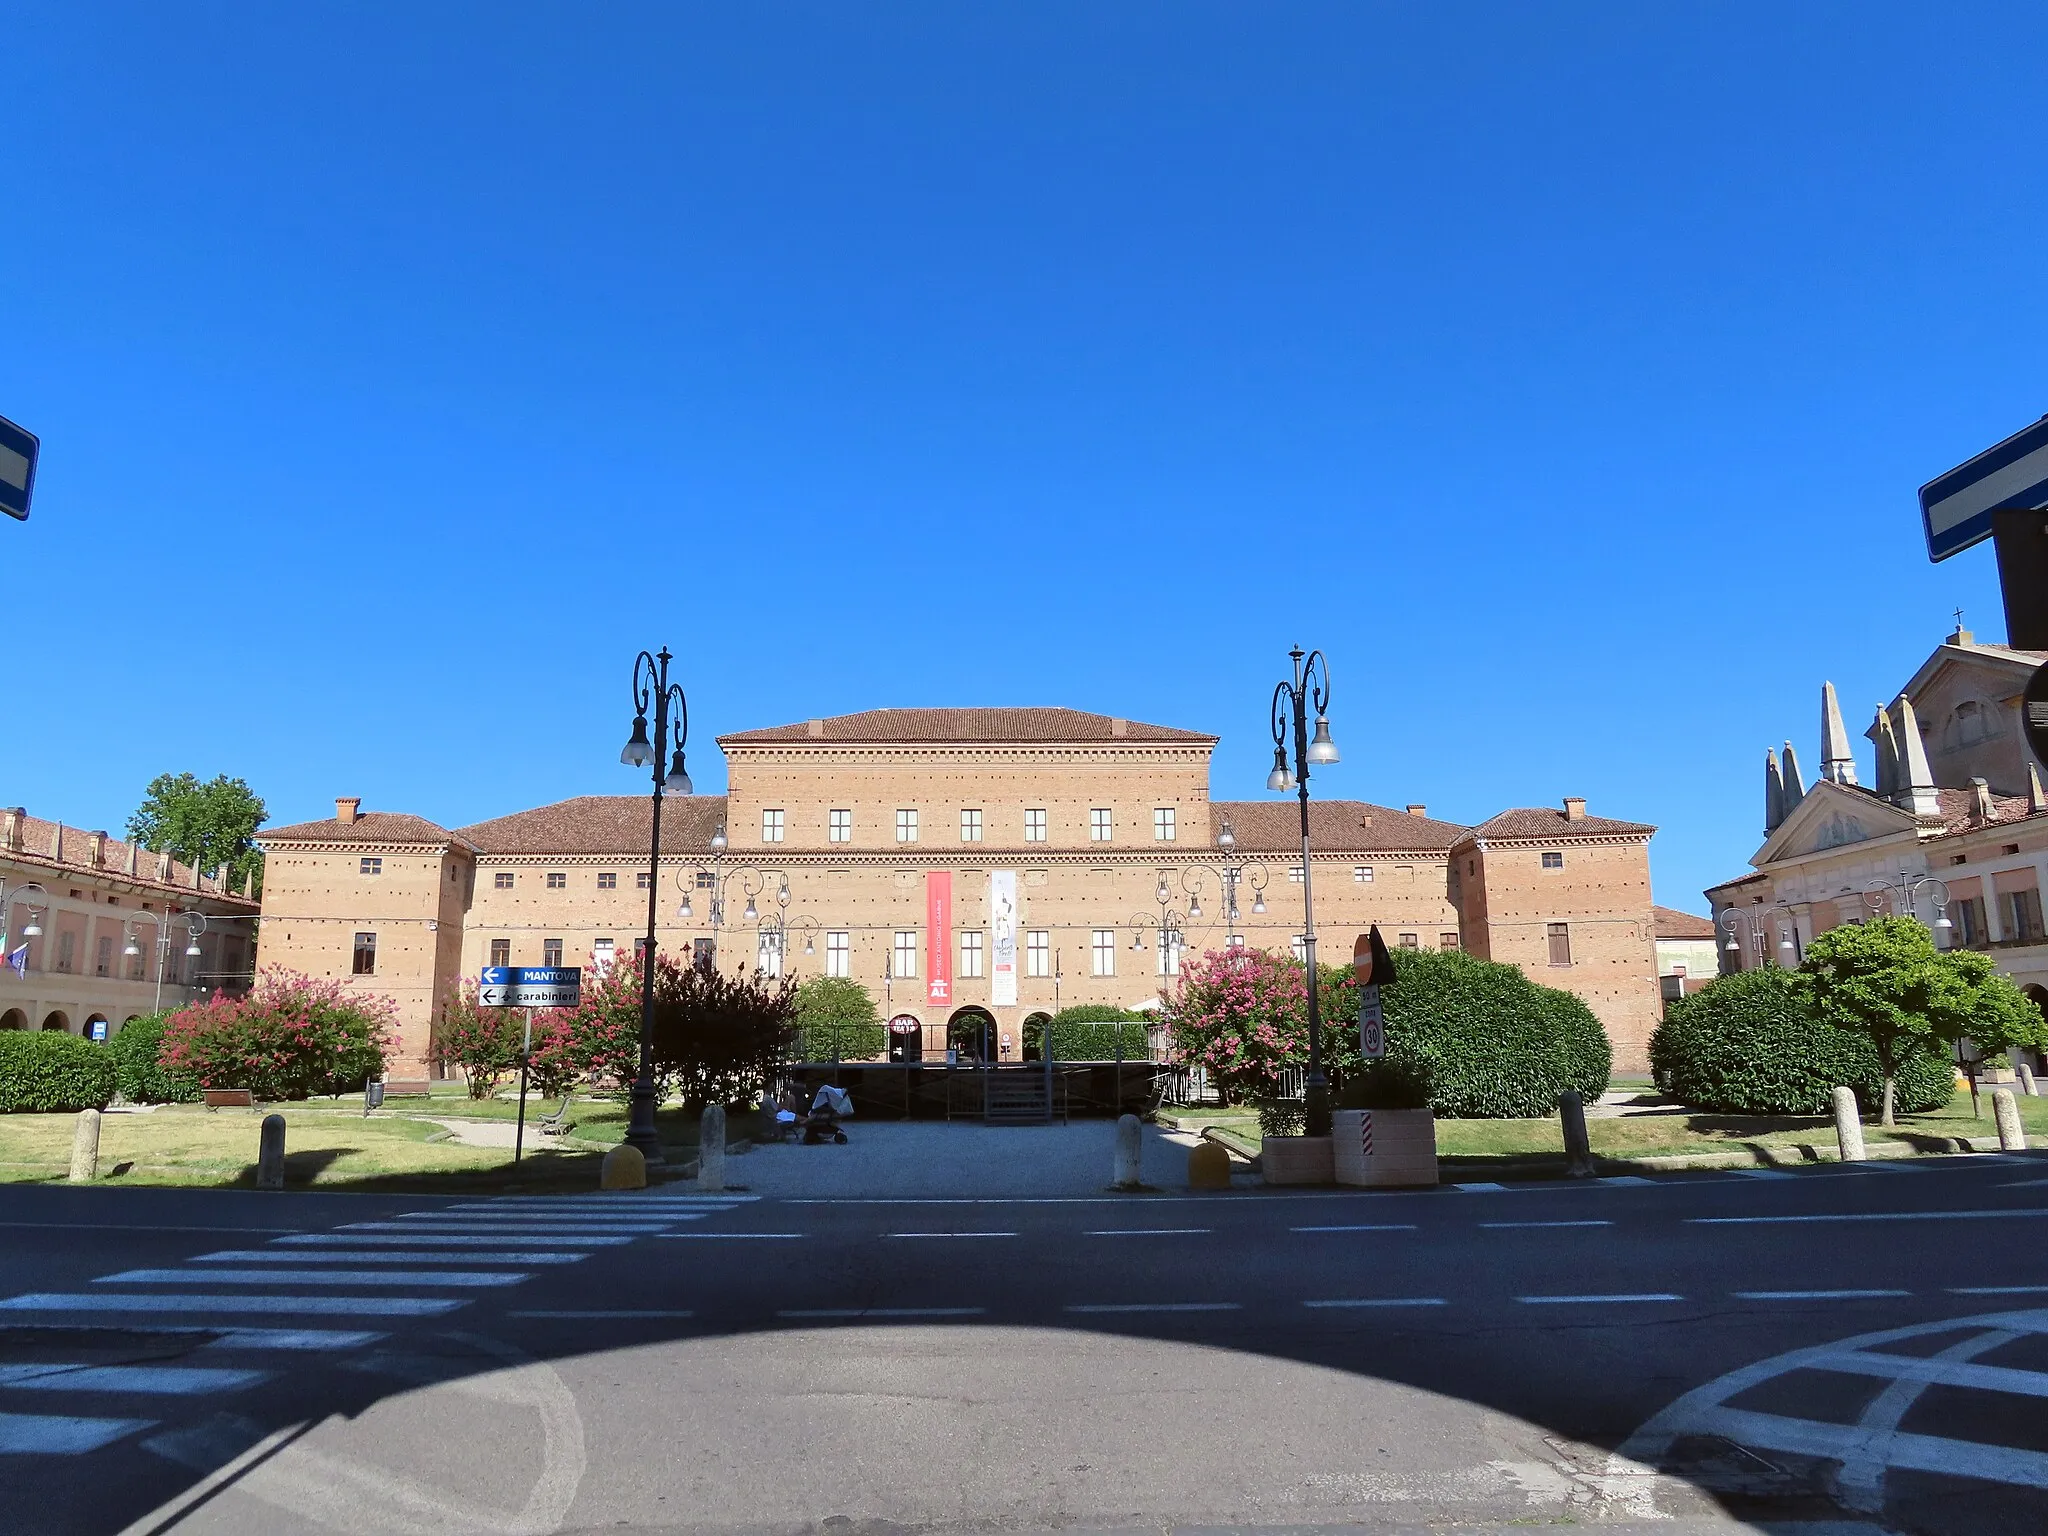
(1348, 826)
(39, 840)
(1671, 923)
(1958, 809)
(964, 725)
(368, 827)
(601, 824)
(1542, 822)
(1749, 879)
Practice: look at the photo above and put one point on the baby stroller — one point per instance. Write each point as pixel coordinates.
(827, 1110)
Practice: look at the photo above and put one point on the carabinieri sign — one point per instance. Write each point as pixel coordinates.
(529, 986)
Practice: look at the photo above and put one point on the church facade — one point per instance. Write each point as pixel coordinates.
(1953, 827)
(963, 865)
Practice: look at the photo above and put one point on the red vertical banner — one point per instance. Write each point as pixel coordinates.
(938, 936)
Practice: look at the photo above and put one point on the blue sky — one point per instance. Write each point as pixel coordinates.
(1565, 372)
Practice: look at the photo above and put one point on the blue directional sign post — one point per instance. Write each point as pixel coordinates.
(529, 986)
(18, 449)
(2001, 494)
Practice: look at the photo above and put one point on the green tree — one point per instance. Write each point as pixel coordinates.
(1886, 982)
(836, 1020)
(206, 825)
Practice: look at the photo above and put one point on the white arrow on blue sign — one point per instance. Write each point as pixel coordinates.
(529, 986)
(1957, 507)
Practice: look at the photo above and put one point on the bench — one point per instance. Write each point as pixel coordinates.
(407, 1087)
(557, 1124)
(228, 1098)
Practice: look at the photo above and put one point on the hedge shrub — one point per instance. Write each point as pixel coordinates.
(1480, 1038)
(291, 1037)
(1753, 1044)
(50, 1071)
(836, 1021)
(841, 1042)
(139, 1075)
(1089, 1031)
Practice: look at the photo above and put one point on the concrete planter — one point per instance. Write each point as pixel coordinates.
(1384, 1147)
(1297, 1160)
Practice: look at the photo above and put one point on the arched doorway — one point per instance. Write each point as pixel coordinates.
(971, 1033)
(906, 1038)
(1035, 1025)
(13, 1018)
(57, 1018)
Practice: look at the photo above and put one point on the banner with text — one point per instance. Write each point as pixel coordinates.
(938, 936)
(1002, 923)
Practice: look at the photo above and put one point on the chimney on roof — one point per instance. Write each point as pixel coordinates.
(10, 827)
(1119, 726)
(1981, 810)
(348, 809)
(1416, 808)
(1574, 807)
(814, 727)
(95, 848)
(57, 844)
(2037, 797)
(134, 858)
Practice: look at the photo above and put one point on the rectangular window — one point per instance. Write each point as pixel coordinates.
(768, 953)
(906, 826)
(707, 880)
(1034, 826)
(1300, 947)
(1168, 963)
(838, 954)
(602, 952)
(373, 866)
(703, 952)
(904, 964)
(1294, 873)
(557, 880)
(1553, 861)
(366, 954)
(839, 826)
(1102, 952)
(1162, 824)
(771, 826)
(1099, 824)
(550, 951)
(970, 954)
(607, 880)
(103, 963)
(1410, 941)
(1447, 940)
(641, 880)
(1968, 916)
(639, 952)
(2023, 917)
(501, 952)
(502, 880)
(1560, 943)
(970, 826)
(1361, 874)
(1037, 952)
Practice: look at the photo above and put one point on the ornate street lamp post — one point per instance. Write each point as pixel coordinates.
(37, 911)
(650, 683)
(1756, 918)
(1292, 700)
(1903, 897)
(1230, 873)
(195, 925)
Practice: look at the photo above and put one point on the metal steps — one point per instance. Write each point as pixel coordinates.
(1015, 1098)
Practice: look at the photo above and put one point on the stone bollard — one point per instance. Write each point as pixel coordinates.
(270, 1154)
(623, 1168)
(1578, 1148)
(1208, 1166)
(85, 1147)
(1126, 1171)
(2026, 1076)
(2012, 1135)
(711, 1148)
(1848, 1125)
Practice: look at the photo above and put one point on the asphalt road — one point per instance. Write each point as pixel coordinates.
(1836, 1351)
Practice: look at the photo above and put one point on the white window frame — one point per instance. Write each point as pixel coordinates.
(903, 955)
(602, 953)
(768, 952)
(1037, 952)
(838, 953)
(1361, 874)
(1295, 873)
(1163, 819)
(1101, 824)
(970, 824)
(906, 824)
(1034, 824)
(972, 950)
(839, 826)
(771, 825)
(1299, 945)
(1102, 952)
(1168, 962)
(372, 864)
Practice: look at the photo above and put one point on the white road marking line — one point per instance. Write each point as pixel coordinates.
(456, 1277)
(1157, 1306)
(1847, 1295)
(1381, 1301)
(1947, 1373)
(112, 1301)
(601, 1312)
(230, 1337)
(434, 1240)
(1757, 1221)
(146, 1380)
(1998, 1290)
(949, 1234)
(44, 1434)
(381, 1256)
(504, 1229)
(1539, 1301)
(1496, 1225)
(724, 1236)
(827, 1313)
(138, 1226)
(1479, 1189)
(1378, 1226)
(1626, 1179)
(460, 1221)
(1148, 1232)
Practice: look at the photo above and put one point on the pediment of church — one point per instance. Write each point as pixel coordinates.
(1833, 817)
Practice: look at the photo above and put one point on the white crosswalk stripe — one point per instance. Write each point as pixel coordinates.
(384, 1256)
(327, 1306)
(444, 1240)
(148, 1380)
(50, 1434)
(454, 1277)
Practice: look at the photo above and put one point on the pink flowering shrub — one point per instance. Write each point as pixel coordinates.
(598, 1041)
(484, 1042)
(291, 1037)
(1243, 1015)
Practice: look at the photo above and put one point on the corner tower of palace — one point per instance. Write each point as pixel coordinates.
(1006, 861)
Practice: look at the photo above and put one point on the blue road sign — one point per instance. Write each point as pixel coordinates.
(1956, 507)
(529, 986)
(18, 449)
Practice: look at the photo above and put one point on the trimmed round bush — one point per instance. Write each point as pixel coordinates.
(51, 1072)
(1481, 1039)
(1752, 1044)
(1089, 1031)
(137, 1073)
